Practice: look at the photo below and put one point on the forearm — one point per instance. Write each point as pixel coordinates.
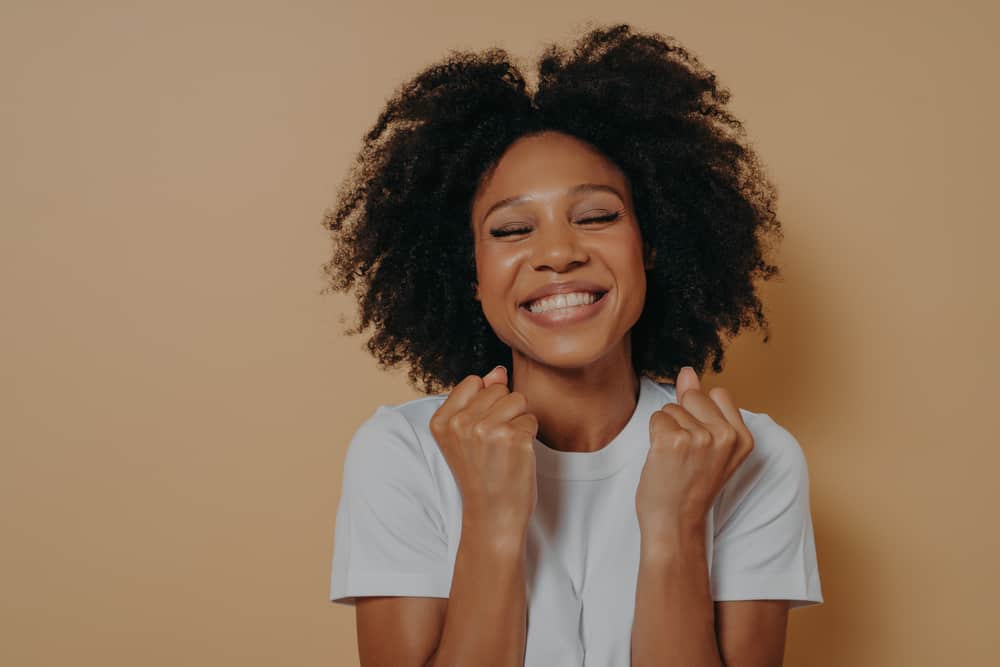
(486, 619)
(674, 623)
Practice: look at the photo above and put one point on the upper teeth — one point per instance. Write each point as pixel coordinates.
(562, 301)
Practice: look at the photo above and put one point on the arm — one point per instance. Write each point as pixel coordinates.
(674, 621)
(486, 619)
(482, 622)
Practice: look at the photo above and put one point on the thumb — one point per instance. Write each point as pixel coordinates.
(496, 376)
(687, 378)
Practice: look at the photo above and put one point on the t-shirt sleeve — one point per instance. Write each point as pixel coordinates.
(389, 537)
(764, 547)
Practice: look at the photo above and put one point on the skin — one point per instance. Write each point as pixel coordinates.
(573, 388)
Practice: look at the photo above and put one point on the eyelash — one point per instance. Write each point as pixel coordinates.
(611, 217)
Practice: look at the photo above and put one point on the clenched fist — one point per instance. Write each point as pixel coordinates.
(695, 445)
(486, 435)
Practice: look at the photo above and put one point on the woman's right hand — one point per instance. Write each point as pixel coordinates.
(487, 437)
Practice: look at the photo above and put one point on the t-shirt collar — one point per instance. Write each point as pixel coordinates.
(630, 441)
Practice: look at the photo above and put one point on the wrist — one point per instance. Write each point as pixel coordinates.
(673, 538)
(499, 537)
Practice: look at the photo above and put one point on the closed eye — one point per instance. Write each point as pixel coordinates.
(508, 231)
(604, 218)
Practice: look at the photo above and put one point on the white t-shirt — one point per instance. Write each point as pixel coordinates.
(400, 519)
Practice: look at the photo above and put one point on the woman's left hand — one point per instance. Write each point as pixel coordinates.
(695, 446)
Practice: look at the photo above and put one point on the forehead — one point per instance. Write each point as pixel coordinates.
(546, 163)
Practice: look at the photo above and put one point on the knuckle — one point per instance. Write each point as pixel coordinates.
(728, 436)
(519, 400)
(701, 437)
(683, 438)
(503, 434)
(659, 424)
(457, 422)
(481, 430)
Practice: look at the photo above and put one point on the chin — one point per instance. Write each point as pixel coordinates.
(568, 355)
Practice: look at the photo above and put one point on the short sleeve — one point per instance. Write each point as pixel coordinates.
(389, 537)
(764, 547)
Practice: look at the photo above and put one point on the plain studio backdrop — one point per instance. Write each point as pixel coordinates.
(178, 397)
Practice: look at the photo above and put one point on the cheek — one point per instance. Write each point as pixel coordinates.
(625, 255)
(496, 270)
(630, 271)
(498, 261)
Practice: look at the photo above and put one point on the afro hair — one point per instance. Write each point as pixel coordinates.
(401, 222)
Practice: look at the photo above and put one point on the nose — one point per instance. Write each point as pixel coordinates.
(556, 246)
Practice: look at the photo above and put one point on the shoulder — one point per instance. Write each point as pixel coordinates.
(776, 452)
(774, 478)
(393, 437)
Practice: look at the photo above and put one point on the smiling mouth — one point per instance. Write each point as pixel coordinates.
(527, 304)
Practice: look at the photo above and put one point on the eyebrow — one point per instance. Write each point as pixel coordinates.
(576, 189)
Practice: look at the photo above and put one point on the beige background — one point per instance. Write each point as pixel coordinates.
(177, 397)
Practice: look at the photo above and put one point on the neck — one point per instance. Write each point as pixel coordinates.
(579, 409)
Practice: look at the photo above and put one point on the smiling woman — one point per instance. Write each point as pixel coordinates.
(557, 267)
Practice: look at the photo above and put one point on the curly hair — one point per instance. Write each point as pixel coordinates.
(401, 223)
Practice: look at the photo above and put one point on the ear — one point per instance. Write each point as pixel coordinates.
(649, 253)
(475, 284)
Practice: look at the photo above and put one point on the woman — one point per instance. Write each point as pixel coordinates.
(539, 259)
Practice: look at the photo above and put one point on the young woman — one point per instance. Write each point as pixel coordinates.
(545, 262)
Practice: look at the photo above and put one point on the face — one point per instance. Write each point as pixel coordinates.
(555, 210)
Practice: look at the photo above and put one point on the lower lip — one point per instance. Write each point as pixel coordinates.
(563, 316)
